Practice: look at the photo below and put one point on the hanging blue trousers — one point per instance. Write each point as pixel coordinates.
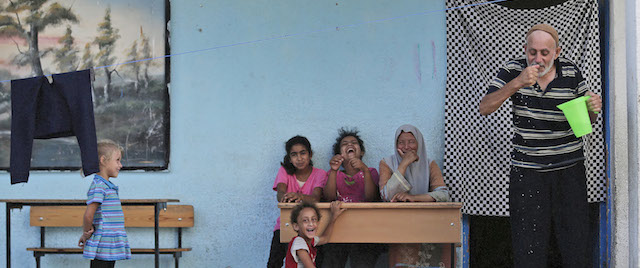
(43, 110)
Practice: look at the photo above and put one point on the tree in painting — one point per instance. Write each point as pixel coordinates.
(25, 19)
(134, 67)
(146, 53)
(66, 58)
(106, 44)
(87, 58)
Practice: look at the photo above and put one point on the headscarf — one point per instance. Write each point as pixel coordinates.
(417, 173)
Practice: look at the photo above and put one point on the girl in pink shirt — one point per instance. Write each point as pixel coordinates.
(355, 182)
(296, 181)
(351, 180)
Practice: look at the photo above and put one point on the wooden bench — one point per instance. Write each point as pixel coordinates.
(174, 216)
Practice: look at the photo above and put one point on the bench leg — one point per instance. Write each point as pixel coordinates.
(156, 234)
(176, 257)
(8, 218)
(37, 255)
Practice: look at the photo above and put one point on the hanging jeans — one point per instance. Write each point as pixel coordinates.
(43, 110)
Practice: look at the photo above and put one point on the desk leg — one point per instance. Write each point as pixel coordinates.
(453, 255)
(8, 212)
(157, 236)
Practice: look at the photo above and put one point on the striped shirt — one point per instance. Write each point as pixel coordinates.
(542, 136)
(109, 240)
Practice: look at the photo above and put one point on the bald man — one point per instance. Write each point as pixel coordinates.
(547, 185)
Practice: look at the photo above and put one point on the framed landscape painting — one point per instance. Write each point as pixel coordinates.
(124, 42)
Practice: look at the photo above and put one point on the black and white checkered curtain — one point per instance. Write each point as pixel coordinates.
(479, 40)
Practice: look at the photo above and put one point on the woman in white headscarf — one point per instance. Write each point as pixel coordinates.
(411, 164)
(410, 176)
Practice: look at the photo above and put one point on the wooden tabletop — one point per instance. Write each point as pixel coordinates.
(429, 205)
(82, 201)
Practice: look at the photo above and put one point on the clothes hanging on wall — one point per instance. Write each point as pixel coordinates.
(43, 110)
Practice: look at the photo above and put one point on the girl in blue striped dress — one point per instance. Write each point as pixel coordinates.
(104, 239)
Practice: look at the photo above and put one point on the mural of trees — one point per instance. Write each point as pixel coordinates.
(38, 37)
(30, 17)
(106, 43)
(66, 57)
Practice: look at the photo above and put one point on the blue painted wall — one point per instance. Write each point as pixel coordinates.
(233, 108)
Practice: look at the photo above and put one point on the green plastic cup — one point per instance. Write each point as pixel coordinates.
(578, 116)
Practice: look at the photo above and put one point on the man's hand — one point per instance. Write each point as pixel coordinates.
(594, 103)
(529, 75)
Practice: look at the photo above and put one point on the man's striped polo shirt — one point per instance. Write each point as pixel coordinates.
(542, 136)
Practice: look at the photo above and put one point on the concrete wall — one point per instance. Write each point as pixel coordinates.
(233, 108)
(624, 118)
(633, 63)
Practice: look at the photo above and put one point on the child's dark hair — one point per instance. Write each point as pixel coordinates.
(288, 166)
(296, 210)
(343, 133)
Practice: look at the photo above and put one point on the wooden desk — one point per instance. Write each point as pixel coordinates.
(419, 222)
(19, 203)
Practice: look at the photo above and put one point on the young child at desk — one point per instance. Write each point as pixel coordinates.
(356, 182)
(297, 181)
(104, 239)
(302, 248)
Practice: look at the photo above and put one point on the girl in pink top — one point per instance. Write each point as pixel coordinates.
(356, 182)
(351, 180)
(297, 181)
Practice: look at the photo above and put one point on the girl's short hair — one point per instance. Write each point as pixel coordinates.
(298, 208)
(286, 163)
(343, 133)
(106, 147)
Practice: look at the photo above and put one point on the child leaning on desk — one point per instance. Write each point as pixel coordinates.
(305, 217)
(104, 239)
